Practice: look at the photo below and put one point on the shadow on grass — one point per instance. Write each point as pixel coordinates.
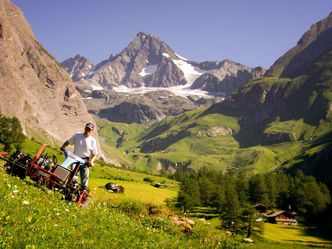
(321, 231)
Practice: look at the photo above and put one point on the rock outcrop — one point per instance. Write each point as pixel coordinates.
(228, 78)
(127, 112)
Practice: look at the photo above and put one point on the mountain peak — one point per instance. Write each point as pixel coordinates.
(143, 36)
(78, 67)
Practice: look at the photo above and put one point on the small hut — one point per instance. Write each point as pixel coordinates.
(261, 209)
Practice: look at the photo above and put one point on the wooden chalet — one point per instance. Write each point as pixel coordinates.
(282, 217)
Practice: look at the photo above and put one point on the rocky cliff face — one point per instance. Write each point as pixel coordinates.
(301, 58)
(33, 86)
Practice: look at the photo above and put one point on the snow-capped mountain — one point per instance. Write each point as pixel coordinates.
(78, 67)
(148, 63)
(147, 81)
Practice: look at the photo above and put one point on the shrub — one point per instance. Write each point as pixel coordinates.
(148, 179)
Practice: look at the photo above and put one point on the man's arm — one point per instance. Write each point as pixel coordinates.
(92, 160)
(64, 145)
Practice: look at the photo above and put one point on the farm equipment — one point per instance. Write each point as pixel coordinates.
(45, 171)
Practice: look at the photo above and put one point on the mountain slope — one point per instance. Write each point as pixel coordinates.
(299, 59)
(34, 87)
(295, 111)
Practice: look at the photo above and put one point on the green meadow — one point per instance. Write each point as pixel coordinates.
(299, 235)
(34, 218)
(136, 189)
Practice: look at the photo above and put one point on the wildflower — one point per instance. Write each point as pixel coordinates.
(67, 210)
(26, 203)
(15, 191)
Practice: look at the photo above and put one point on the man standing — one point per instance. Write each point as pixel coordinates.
(85, 146)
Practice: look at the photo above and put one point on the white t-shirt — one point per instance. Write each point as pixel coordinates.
(83, 146)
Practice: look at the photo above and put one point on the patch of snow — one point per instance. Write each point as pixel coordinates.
(83, 74)
(87, 91)
(166, 55)
(183, 90)
(149, 69)
(180, 57)
(96, 87)
(88, 98)
(190, 72)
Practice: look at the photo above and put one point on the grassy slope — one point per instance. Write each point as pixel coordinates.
(30, 218)
(217, 152)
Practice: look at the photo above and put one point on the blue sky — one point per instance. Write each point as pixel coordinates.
(251, 32)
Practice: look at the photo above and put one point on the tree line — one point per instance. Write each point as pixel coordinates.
(234, 195)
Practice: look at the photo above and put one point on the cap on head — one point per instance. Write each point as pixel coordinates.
(89, 126)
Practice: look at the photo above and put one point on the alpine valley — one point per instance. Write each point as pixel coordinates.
(280, 119)
(157, 111)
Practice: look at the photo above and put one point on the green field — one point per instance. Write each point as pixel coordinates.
(294, 235)
(136, 189)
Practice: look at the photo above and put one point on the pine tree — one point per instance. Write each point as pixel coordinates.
(230, 207)
(11, 133)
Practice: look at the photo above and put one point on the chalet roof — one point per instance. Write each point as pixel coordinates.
(275, 214)
(279, 212)
(260, 205)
